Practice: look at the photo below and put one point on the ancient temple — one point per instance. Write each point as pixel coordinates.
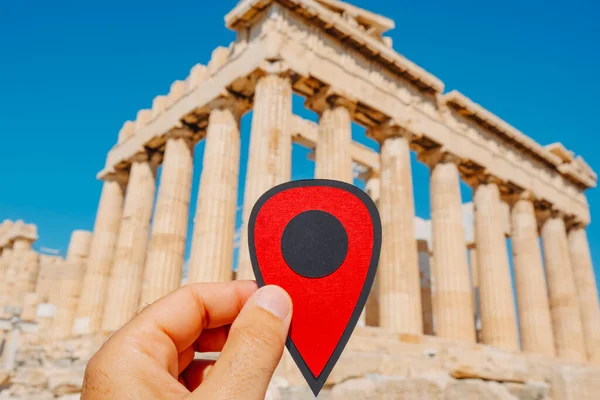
(338, 58)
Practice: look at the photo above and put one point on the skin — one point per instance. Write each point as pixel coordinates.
(152, 356)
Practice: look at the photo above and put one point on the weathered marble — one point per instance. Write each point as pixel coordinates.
(90, 309)
(587, 291)
(211, 257)
(564, 303)
(269, 157)
(498, 319)
(164, 263)
(532, 295)
(125, 281)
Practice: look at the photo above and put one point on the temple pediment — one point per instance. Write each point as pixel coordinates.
(374, 24)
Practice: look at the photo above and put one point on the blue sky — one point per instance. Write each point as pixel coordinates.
(71, 72)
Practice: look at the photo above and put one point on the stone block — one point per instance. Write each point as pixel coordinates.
(476, 390)
(377, 387)
(529, 391)
(31, 377)
(575, 383)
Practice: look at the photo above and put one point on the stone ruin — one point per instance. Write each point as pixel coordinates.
(451, 334)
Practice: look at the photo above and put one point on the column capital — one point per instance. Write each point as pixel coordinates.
(329, 97)
(119, 176)
(275, 67)
(390, 129)
(438, 155)
(575, 224)
(543, 214)
(226, 100)
(514, 197)
(482, 178)
(181, 132)
(153, 157)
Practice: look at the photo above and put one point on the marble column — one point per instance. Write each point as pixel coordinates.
(333, 159)
(498, 319)
(164, 263)
(585, 284)
(399, 282)
(90, 309)
(564, 304)
(125, 281)
(474, 270)
(452, 299)
(4, 285)
(373, 189)
(70, 283)
(269, 157)
(23, 271)
(532, 294)
(214, 224)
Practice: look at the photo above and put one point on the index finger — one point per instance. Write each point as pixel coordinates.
(182, 315)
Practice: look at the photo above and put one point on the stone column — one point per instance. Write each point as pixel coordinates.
(585, 283)
(425, 266)
(88, 318)
(399, 282)
(70, 283)
(214, 224)
(564, 305)
(125, 282)
(373, 189)
(498, 319)
(333, 159)
(269, 159)
(164, 263)
(474, 270)
(452, 299)
(23, 271)
(532, 294)
(4, 284)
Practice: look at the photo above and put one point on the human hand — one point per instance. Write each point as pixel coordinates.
(152, 356)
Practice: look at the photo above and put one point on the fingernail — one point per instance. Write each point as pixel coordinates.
(275, 300)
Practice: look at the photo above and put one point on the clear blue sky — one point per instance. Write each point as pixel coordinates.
(71, 72)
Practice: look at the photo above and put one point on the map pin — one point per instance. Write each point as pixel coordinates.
(320, 241)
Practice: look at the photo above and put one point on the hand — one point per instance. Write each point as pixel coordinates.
(152, 356)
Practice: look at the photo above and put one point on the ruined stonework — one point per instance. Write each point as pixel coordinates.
(441, 320)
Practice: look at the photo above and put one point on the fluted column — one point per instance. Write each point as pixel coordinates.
(4, 283)
(498, 319)
(564, 304)
(125, 282)
(452, 299)
(474, 270)
(585, 284)
(371, 313)
(269, 159)
(70, 283)
(214, 224)
(532, 294)
(164, 263)
(333, 159)
(24, 269)
(88, 318)
(399, 283)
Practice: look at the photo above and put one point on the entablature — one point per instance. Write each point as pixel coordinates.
(335, 25)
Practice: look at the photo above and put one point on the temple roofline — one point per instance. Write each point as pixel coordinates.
(340, 28)
(555, 155)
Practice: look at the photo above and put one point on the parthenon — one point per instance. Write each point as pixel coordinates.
(338, 58)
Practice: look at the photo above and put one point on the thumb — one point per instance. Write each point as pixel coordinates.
(253, 349)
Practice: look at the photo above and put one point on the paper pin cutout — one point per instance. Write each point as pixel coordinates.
(319, 240)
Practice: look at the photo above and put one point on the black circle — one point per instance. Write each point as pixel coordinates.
(314, 244)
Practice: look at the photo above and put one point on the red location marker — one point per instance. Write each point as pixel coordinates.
(320, 241)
